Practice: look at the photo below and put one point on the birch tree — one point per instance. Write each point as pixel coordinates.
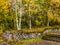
(18, 12)
(32, 8)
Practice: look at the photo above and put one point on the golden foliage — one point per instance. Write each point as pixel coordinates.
(50, 15)
(4, 5)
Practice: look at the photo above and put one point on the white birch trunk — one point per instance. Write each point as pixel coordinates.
(16, 9)
(20, 14)
(17, 22)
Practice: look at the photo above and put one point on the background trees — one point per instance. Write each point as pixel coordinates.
(29, 13)
(5, 21)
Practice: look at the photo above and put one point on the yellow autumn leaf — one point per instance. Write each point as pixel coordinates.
(26, 1)
(38, 22)
(4, 4)
(50, 15)
(59, 19)
(55, 1)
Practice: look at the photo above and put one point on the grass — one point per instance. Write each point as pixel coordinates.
(1, 38)
(39, 29)
(32, 30)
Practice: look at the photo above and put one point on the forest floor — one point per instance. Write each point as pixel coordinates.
(40, 42)
(35, 41)
(43, 42)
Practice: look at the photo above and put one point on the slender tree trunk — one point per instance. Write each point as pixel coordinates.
(20, 14)
(20, 17)
(30, 17)
(47, 20)
(16, 11)
(17, 21)
(29, 21)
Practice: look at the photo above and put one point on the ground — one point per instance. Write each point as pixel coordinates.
(35, 41)
(43, 42)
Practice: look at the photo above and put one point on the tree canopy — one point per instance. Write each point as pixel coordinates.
(29, 13)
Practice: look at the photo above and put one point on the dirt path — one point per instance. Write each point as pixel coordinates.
(43, 42)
